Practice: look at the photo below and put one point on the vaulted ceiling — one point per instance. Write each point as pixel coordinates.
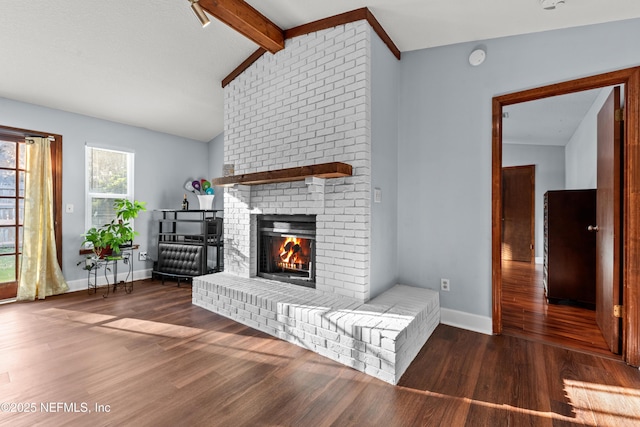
(150, 64)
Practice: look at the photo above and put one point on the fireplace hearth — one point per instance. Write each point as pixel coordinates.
(286, 248)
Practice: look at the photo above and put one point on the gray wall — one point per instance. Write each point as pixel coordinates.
(385, 71)
(216, 162)
(581, 152)
(444, 180)
(549, 162)
(443, 157)
(162, 165)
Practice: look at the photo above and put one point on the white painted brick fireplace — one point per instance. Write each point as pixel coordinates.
(310, 104)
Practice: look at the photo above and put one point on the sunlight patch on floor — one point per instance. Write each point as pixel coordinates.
(502, 406)
(76, 316)
(154, 328)
(613, 405)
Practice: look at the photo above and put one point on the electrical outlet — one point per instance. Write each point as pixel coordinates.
(142, 256)
(444, 285)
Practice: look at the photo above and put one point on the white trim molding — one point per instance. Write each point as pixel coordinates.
(81, 284)
(471, 322)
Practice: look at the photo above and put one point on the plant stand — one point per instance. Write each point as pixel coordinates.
(110, 264)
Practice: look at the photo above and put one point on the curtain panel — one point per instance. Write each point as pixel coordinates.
(40, 275)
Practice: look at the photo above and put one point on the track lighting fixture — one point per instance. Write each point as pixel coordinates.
(551, 4)
(197, 9)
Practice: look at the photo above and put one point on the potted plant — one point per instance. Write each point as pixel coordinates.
(118, 233)
(99, 239)
(122, 234)
(127, 209)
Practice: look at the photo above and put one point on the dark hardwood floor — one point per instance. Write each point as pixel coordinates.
(151, 358)
(526, 313)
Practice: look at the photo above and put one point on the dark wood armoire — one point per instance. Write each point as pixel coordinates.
(569, 247)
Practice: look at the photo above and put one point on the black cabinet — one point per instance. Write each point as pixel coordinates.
(569, 248)
(185, 240)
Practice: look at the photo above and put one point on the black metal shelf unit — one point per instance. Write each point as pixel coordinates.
(184, 240)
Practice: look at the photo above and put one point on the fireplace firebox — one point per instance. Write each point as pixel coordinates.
(286, 248)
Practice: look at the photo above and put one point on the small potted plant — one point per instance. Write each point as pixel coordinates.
(99, 240)
(110, 237)
(122, 234)
(127, 209)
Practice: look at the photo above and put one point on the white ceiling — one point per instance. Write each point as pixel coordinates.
(549, 121)
(149, 63)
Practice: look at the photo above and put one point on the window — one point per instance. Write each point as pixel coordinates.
(109, 176)
(12, 176)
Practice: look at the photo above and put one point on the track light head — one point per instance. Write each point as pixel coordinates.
(197, 9)
(551, 4)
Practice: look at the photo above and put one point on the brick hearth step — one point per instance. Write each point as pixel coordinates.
(380, 337)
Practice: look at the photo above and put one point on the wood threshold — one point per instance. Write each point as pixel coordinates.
(319, 25)
(324, 170)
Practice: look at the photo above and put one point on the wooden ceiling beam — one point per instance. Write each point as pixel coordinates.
(322, 24)
(246, 20)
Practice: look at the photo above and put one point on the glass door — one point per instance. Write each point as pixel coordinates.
(12, 176)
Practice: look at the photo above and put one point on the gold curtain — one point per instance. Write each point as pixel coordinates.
(40, 275)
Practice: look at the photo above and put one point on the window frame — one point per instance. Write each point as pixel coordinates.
(89, 196)
(19, 186)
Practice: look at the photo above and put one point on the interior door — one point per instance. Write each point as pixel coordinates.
(609, 219)
(518, 226)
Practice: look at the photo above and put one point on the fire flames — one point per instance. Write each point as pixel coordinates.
(291, 253)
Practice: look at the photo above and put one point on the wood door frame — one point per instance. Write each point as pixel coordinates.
(532, 212)
(56, 164)
(630, 78)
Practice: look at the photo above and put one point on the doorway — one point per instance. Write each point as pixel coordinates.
(554, 300)
(12, 178)
(518, 217)
(629, 258)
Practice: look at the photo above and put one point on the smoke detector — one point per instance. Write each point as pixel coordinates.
(477, 57)
(551, 4)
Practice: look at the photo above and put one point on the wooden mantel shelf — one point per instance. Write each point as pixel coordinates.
(324, 170)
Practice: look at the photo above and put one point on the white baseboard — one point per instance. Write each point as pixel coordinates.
(471, 322)
(81, 284)
(459, 319)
